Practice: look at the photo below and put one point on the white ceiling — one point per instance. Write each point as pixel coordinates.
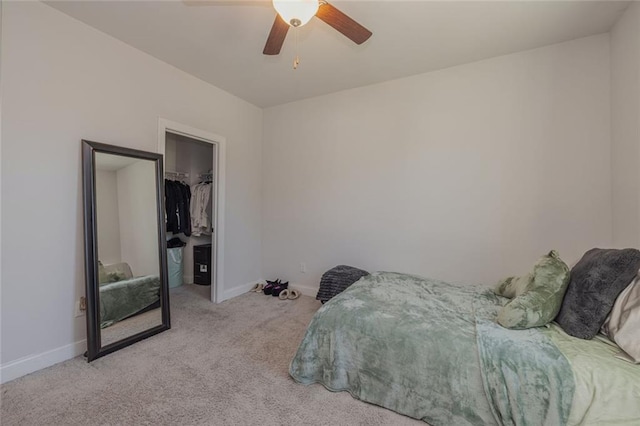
(221, 41)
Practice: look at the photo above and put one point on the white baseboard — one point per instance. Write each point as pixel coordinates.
(305, 290)
(23, 366)
(241, 289)
(237, 290)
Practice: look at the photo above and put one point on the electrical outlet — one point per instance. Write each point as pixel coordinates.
(81, 306)
(303, 268)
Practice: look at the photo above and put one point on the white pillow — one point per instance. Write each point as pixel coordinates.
(623, 323)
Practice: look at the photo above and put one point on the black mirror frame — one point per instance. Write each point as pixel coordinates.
(89, 149)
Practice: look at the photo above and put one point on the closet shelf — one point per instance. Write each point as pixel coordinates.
(205, 176)
(176, 175)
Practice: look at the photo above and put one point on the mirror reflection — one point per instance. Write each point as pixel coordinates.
(127, 246)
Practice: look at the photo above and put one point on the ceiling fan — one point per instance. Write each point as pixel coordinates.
(296, 13)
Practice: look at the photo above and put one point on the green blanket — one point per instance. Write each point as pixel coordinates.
(122, 299)
(432, 351)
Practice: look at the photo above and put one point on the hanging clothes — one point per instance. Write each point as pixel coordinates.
(200, 220)
(177, 202)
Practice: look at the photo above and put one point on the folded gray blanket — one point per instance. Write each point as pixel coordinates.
(595, 283)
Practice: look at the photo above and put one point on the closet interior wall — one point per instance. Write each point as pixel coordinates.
(187, 155)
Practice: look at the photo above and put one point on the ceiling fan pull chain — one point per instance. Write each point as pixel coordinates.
(296, 60)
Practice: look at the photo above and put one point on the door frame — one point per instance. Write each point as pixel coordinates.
(218, 191)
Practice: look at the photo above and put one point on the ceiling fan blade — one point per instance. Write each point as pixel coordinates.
(341, 22)
(276, 37)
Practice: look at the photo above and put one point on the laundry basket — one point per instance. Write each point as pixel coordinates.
(174, 266)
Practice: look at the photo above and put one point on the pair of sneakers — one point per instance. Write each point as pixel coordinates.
(274, 288)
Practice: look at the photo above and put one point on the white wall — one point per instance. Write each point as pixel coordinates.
(108, 217)
(63, 81)
(138, 217)
(1, 174)
(467, 174)
(625, 127)
(170, 153)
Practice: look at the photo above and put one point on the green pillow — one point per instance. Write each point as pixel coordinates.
(115, 277)
(103, 277)
(513, 286)
(537, 296)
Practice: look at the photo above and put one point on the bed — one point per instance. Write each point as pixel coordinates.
(433, 351)
(123, 296)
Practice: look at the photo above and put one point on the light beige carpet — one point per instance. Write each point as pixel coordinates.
(223, 364)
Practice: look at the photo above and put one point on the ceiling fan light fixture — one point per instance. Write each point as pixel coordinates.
(296, 12)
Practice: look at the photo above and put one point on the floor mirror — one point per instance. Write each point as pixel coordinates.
(125, 247)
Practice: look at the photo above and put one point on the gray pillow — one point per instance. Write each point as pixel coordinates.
(596, 281)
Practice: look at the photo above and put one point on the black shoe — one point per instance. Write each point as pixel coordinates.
(275, 292)
(270, 285)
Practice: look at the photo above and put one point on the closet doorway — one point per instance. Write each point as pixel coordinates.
(194, 165)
